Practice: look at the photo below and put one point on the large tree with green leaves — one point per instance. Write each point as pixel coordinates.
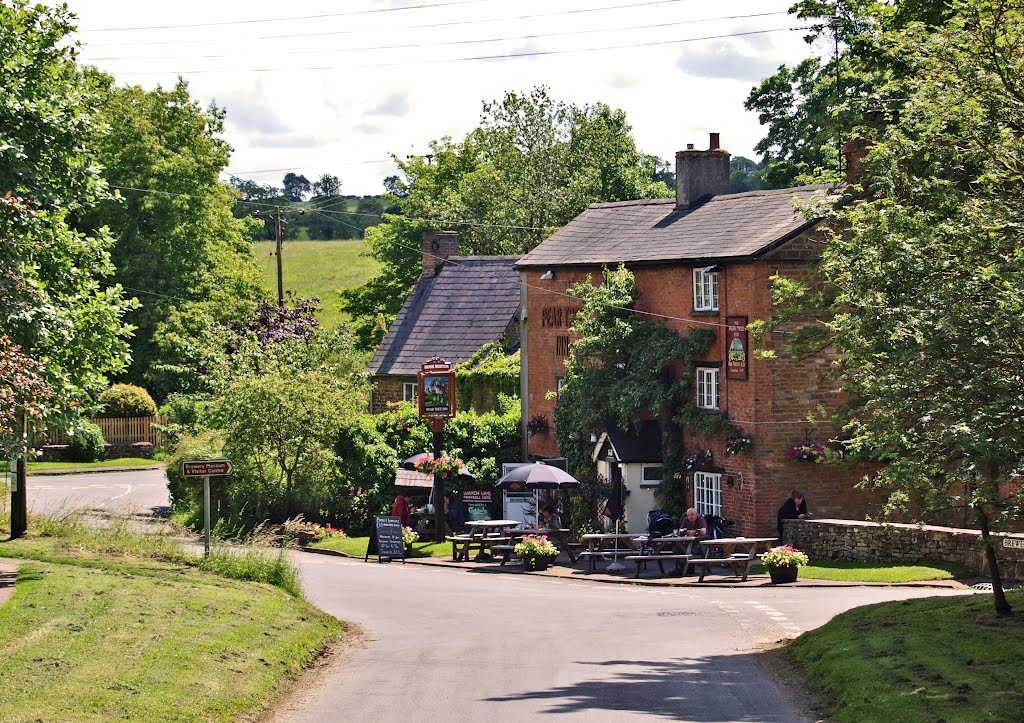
(178, 246)
(532, 165)
(55, 307)
(926, 288)
(625, 369)
(811, 108)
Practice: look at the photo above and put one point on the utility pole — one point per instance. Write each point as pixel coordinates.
(280, 268)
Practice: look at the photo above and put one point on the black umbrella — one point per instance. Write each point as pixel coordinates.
(613, 507)
(537, 476)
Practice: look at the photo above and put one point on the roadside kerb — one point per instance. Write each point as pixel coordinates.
(8, 574)
(570, 573)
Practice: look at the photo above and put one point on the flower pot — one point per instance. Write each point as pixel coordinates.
(783, 573)
(538, 562)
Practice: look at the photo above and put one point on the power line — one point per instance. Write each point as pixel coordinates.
(433, 44)
(507, 56)
(284, 19)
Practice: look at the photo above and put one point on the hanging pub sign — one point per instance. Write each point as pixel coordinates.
(736, 347)
(436, 380)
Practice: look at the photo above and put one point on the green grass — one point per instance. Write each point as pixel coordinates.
(873, 572)
(110, 623)
(83, 466)
(318, 269)
(357, 546)
(948, 658)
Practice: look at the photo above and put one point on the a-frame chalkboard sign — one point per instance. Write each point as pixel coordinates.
(386, 539)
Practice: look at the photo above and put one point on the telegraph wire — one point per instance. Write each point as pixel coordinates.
(476, 58)
(434, 44)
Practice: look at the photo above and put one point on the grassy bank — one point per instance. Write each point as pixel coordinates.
(356, 546)
(318, 269)
(111, 624)
(86, 466)
(935, 659)
(874, 572)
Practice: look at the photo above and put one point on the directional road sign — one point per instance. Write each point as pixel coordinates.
(206, 468)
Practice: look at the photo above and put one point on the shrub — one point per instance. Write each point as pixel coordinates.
(86, 442)
(127, 400)
(187, 496)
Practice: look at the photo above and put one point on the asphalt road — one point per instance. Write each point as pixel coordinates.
(444, 645)
(139, 490)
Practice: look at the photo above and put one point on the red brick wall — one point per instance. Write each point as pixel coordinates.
(388, 391)
(771, 405)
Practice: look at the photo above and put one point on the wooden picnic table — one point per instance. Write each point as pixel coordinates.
(483, 536)
(607, 544)
(660, 549)
(739, 553)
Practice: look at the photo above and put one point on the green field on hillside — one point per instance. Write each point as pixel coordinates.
(317, 269)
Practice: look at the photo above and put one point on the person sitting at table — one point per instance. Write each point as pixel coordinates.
(795, 508)
(400, 509)
(693, 525)
(549, 520)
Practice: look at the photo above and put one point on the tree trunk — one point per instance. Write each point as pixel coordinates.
(998, 596)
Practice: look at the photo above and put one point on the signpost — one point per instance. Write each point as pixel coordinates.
(1013, 542)
(436, 381)
(206, 468)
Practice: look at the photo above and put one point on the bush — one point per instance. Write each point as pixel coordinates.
(187, 495)
(127, 400)
(86, 442)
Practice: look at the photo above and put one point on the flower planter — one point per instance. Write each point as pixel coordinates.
(783, 573)
(538, 562)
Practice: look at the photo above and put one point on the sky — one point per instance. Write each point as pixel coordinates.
(338, 87)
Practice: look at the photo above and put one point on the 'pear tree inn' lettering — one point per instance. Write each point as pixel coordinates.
(559, 317)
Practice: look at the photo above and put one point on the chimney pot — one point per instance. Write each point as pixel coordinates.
(689, 146)
(714, 142)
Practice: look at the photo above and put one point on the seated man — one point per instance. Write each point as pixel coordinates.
(693, 525)
(549, 520)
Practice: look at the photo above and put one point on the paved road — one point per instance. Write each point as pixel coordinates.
(446, 645)
(142, 490)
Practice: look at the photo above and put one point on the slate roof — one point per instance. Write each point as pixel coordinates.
(731, 226)
(470, 302)
(630, 446)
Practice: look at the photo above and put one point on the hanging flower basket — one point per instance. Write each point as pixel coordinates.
(808, 452)
(736, 443)
(537, 425)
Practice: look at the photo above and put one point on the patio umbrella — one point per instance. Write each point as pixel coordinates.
(537, 476)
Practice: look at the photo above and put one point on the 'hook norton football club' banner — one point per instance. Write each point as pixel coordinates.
(736, 347)
(437, 389)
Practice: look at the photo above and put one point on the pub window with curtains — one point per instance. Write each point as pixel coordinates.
(705, 289)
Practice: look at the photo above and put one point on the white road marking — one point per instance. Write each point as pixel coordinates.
(127, 491)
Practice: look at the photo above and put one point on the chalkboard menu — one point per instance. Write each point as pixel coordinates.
(386, 539)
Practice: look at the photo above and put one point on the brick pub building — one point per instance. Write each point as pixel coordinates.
(704, 259)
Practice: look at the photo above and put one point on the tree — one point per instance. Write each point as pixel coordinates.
(178, 243)
(624, 369)
(531, 166)
(327, 187)
(746, 175)
(59, 319)
(923, 293)
(810, 109)
(296, 187)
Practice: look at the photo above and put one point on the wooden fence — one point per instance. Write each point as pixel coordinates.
(126, 430)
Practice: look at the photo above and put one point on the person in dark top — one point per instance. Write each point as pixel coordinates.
(693, 524)
(456, 518)
(795, 508)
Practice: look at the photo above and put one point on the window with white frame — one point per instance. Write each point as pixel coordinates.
(705, 290)
(707, 493)
(707, 387)
(651, 474)
(409, 392)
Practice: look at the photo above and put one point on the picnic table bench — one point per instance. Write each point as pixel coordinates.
(660, 549)
(483, 536)
(740, 562)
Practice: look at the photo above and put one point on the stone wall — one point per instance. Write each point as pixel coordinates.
(908, 544)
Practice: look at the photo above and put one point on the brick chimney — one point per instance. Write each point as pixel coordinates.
(701, 173)
(437, 246)
(856, 152)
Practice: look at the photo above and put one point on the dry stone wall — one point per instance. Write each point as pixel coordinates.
(904, 544)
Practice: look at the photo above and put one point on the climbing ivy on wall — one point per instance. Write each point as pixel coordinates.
(625, 368)
(492, 370)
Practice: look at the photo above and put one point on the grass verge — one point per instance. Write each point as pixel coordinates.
(948, 658)
(873, 572)
(110, 623)
(86, 466)
(356, 546)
